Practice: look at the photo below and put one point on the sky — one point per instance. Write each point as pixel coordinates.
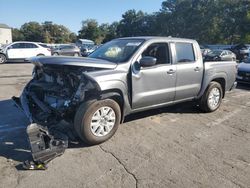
(70, 13)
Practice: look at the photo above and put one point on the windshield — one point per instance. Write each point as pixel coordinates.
(117, 51)
(215, 52)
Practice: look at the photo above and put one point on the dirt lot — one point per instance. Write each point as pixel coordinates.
(172, 147)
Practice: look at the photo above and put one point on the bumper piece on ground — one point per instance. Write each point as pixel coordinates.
(45, 146)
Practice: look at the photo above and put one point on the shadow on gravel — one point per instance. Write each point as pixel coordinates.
(13, 139)
(182, 108)
(14, 143)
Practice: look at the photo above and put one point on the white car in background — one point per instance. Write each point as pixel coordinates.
(17, 51)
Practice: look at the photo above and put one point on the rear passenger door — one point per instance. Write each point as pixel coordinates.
(189, 71)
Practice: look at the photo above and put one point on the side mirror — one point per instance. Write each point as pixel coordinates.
(147, 61)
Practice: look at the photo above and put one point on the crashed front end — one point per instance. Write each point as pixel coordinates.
(53, 95)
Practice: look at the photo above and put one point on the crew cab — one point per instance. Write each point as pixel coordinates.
(22, 50)
(123, 76)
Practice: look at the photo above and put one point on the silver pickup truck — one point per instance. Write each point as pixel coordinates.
(121, 77)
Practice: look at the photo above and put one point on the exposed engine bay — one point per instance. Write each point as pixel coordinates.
(55, 92)
(53, 95)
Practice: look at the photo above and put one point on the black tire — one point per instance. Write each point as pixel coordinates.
(204, 101)
(2, 59)
(84, 114)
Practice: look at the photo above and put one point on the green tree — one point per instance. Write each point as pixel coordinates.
(32, 31)
(131, 23)
(111, 32)
(90, 30)
(17, 35)
(54, 33)
(209, 21)
(72, 37)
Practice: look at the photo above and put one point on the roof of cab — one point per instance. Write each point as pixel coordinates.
(169, 38)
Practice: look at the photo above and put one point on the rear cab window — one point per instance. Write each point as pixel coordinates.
(184, 52)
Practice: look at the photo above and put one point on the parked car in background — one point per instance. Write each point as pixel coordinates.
(85, 51)
(244, 72)
(204, 50)
(220, 55)
(22, 50)
(241, 51)
(83, 42)
(67, 50)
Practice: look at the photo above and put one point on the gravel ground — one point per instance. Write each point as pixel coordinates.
(176, 146)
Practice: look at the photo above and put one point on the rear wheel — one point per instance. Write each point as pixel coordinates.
(97, 121)
(2, 58)
(76, 54)
(55, 54)
(212, 97)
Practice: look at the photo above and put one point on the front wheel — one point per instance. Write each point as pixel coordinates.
(2, 58)
(212, 97)
(96, 122)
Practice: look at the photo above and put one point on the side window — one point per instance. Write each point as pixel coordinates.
(14, 46)
(18, 45)
(184, 52)
(160, 51)
(30, 45)
(66, 47)
(224, 53)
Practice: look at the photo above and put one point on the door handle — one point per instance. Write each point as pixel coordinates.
(197, 69)
(171, 71)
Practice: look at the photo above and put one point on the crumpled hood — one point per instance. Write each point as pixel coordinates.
(74, 61)
(244, 67)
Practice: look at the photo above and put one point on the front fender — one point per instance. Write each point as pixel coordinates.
(121, 87)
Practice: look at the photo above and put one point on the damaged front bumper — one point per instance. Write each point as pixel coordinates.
(45, 143)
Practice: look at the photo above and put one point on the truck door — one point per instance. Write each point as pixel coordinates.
(189, 71)
(156, 84)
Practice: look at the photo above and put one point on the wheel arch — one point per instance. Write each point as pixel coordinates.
(117, 96)
(222, 82)
(219, 77)
(40, 54)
